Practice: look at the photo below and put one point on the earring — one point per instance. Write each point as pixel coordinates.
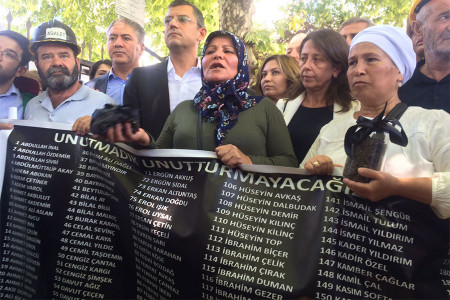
(399, 84)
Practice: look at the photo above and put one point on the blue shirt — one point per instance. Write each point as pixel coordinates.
(83, 103)
(11, 98)
(116, 86)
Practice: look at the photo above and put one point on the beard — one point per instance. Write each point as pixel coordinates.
(7, 75)
(59, 82)
(437, 44)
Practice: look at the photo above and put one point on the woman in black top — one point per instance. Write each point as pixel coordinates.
(325, 94)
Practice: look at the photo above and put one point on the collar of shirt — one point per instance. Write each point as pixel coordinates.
(420, 78)
(111, 76)
(12, 91)
(116, 87)
(183, 88)
(82, 93)
(171, 68)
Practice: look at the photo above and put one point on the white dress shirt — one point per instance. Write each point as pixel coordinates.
(183, 88)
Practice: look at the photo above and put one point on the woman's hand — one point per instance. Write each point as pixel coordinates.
(82, 125)
(6, 126)
(382, 185)
(124, 134)
(231, 156)
(320, 165)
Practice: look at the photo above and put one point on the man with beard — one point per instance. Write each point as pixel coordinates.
(430, 85)
(14, 59)
(156, 90)
(125, 42)
(66, 100)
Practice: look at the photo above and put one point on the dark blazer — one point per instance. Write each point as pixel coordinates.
(100, 83)
(148, 89)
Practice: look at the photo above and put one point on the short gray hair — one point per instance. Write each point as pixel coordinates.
(140, 33)
(356, 20)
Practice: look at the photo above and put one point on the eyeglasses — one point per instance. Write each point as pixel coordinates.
(181, 19)
(9, 55)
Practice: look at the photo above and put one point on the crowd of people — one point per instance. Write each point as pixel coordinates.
(296, 114)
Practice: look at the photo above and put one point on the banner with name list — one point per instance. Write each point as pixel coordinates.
(84, 219)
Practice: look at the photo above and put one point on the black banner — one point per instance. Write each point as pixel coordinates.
(83, 219)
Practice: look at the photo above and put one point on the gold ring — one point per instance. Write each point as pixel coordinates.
(316, 163)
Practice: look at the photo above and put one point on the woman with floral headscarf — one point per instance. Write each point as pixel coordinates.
(223, 117)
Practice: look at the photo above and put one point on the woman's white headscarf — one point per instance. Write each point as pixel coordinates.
(394, 42)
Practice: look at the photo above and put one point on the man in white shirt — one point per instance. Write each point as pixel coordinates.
(183, 87)
(156, 90)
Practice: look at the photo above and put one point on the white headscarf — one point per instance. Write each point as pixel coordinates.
(394, 42)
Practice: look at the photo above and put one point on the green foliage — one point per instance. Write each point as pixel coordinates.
(265, 42)
(307, 16)
(90, 18)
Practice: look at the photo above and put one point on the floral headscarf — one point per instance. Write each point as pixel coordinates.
(224, 101)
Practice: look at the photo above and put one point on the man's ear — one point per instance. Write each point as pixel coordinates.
(142, 49)
(202, 34)
(417, 28)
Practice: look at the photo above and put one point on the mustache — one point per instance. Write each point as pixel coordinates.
(175, 31)
(56, 69)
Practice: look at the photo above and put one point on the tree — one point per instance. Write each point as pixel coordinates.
(307, 16)
(236, 17)
(90, 18)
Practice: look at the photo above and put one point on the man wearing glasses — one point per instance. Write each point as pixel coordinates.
(156, 90)
(14, 59)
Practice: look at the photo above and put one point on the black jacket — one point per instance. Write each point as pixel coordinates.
(148, 89)
(100, 83)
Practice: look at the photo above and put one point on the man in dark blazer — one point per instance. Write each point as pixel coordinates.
(147, 89)
(157, 89)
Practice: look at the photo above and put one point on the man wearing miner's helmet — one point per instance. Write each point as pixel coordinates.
(66, 100)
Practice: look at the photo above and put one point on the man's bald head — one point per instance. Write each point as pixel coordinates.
(294, 46)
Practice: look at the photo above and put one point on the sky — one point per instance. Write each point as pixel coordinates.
(267, 11)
